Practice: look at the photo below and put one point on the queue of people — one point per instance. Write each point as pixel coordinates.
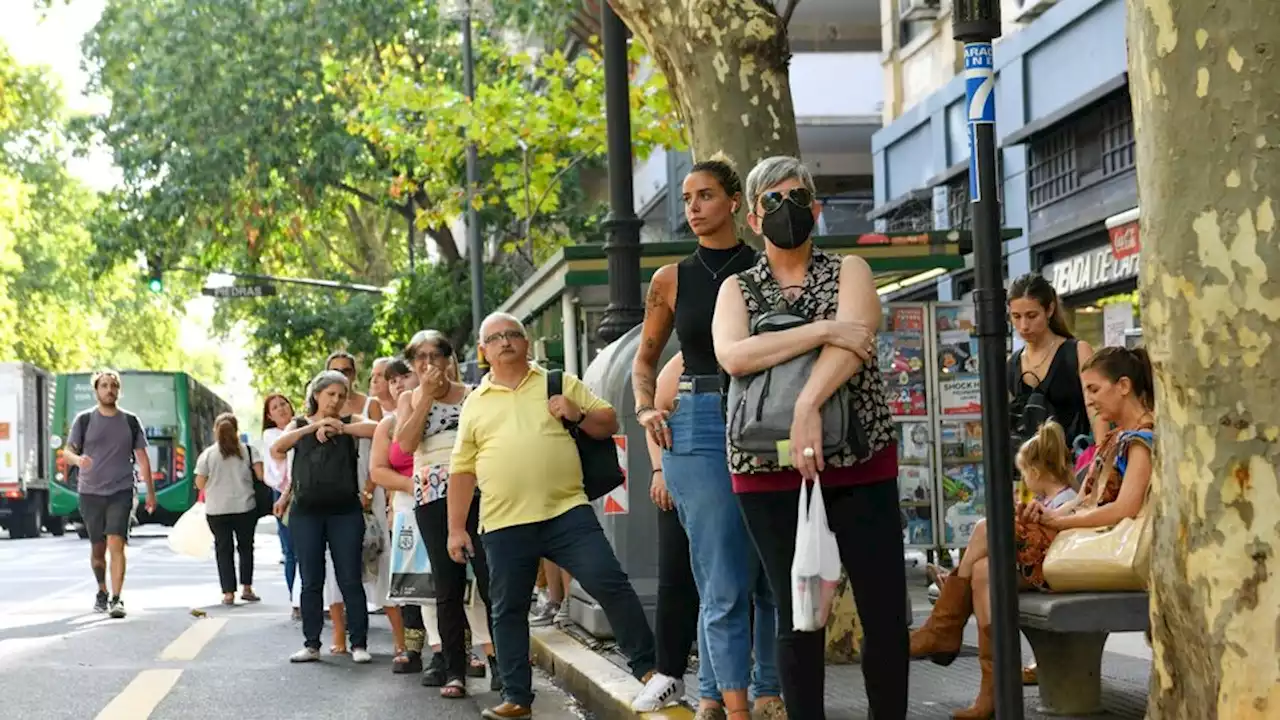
(492, 476)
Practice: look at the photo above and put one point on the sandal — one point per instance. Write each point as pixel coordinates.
(476, 667)
(406, 662)
(250, 597)
(336, 650)
(455, 689)
(433, 675)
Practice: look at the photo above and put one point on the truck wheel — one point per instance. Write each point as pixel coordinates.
(27, 524)
(56, 525)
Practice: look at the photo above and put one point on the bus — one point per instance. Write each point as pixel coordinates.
(176, 412)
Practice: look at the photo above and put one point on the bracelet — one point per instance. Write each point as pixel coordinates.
(643, 409)
(655, 472)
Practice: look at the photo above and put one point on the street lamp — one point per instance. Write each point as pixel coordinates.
(976, 23)
(465, 10)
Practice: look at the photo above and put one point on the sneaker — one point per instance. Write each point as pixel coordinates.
(305, 655)
(117, 607)
(507, 711)
(562, 615)
(659, 692)
(360, 656)
(544, 615)
(100, 602)
(774, 710)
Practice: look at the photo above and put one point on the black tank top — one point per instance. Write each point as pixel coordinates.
(1061, 388)
(698, 281)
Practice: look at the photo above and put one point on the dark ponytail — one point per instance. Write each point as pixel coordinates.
(1118, 362)
(227, 430)
(1038, 288)
(721, 168)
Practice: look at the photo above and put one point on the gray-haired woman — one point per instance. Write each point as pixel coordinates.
(327, 513)
(838, 297)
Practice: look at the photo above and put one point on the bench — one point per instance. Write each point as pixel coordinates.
(1068, 632)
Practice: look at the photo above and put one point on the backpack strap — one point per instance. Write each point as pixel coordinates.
(555, 383)
(82, 425)
(135, 428)
(749, 284)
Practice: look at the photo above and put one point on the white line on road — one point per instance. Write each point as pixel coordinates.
(193, 639)
(141, 696)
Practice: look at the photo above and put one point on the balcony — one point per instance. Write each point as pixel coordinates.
(845, 216)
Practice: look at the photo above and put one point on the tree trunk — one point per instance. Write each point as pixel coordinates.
(1206, 96)
(726, 63)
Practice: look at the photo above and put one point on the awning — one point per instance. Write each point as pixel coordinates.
(917, 195)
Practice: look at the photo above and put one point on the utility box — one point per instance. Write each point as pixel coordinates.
(628, 516)
(26, 406)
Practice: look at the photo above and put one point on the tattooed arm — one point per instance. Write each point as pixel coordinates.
(659, 316)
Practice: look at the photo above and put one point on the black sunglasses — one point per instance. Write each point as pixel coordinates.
(772, 201)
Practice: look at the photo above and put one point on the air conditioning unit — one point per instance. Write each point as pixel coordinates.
(913, 10)
(1028, 10)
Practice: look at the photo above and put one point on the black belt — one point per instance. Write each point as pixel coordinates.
(698, 384)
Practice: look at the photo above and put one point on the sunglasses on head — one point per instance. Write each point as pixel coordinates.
(772, 201)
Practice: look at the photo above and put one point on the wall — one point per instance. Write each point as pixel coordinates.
(1039, 71)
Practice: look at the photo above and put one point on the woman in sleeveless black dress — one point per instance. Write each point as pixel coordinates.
(694, 478)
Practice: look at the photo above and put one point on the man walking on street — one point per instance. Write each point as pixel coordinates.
(512, 441)
(107, 445)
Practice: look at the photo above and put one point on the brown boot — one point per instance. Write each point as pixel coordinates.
(984, 706)
(942, 634)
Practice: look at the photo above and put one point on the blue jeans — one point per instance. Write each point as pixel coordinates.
(725, 566)
(286, 549)
(575, 542)
(343, 535)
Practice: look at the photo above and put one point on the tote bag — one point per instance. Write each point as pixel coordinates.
(1115, 558)
(410, 566)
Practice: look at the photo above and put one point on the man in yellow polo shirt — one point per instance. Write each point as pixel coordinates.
(512, 441)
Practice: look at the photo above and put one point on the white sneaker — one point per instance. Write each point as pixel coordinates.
(305, 655)
(660, 692)
(360, 656)
(562, 615)
(544, 615)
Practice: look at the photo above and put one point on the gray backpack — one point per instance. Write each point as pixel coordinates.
(761, 406)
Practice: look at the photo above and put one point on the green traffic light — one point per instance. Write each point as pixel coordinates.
(156, 285)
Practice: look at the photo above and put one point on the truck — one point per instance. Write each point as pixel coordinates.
(26, 406)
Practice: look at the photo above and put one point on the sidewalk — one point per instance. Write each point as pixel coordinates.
(596, 673)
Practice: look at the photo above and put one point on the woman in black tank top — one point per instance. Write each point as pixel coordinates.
(694, 479)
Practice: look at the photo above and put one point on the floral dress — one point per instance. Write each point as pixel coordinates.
(1101, 486)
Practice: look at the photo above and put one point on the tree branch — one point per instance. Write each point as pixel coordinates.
(357, 192)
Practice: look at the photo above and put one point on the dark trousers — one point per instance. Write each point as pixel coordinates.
(232, 532)
(575, 542)
(450, 581)
(866, 524)
(343, 535)
(677, 615)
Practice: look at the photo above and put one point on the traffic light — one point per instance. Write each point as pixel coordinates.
(155, 276)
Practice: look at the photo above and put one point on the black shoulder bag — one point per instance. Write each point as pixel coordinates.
(600, 470)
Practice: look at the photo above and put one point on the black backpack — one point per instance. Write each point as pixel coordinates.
(324, 473)
(1029, 410)
(600, 470)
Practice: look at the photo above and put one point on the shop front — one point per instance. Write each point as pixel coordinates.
(1097, 279)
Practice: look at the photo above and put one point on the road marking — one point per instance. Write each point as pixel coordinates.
(140, 697)
(193, 639)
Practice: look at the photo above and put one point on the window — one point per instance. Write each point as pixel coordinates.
(959, 209)
(1092, 146)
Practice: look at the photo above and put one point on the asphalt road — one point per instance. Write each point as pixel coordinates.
(58, 659)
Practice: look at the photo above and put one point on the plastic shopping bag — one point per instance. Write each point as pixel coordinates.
(373, 544)
(815, 567)
(410, 566)
(191, 535)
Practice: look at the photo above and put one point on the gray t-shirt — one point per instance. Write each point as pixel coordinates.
(229, 490)
(109, 443)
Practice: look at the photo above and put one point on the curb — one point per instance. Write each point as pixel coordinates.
(605, 689)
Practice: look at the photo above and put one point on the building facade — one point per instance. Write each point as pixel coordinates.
(1066, 153)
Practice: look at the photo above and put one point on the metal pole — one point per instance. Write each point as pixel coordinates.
(475, 249)
(412, 261)
(623, 247)
(976, 23)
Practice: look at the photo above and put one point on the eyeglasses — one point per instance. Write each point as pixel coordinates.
(771, 201)
(508, 335)
(348, 371)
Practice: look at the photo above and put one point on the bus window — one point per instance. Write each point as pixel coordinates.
(160, 451)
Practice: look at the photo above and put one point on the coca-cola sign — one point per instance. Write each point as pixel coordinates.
(1124, 240)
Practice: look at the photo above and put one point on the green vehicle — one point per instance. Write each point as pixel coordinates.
(176, 413)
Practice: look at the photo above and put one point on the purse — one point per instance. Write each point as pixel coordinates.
(600, 470)
(264, 499)
(1111, 559)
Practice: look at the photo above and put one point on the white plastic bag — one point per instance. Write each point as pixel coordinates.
(191, 535)
(815, 567)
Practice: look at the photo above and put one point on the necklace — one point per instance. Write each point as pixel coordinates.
(1036, 365)
(715, 274)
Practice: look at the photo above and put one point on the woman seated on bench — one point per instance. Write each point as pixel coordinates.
(1119, 388)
